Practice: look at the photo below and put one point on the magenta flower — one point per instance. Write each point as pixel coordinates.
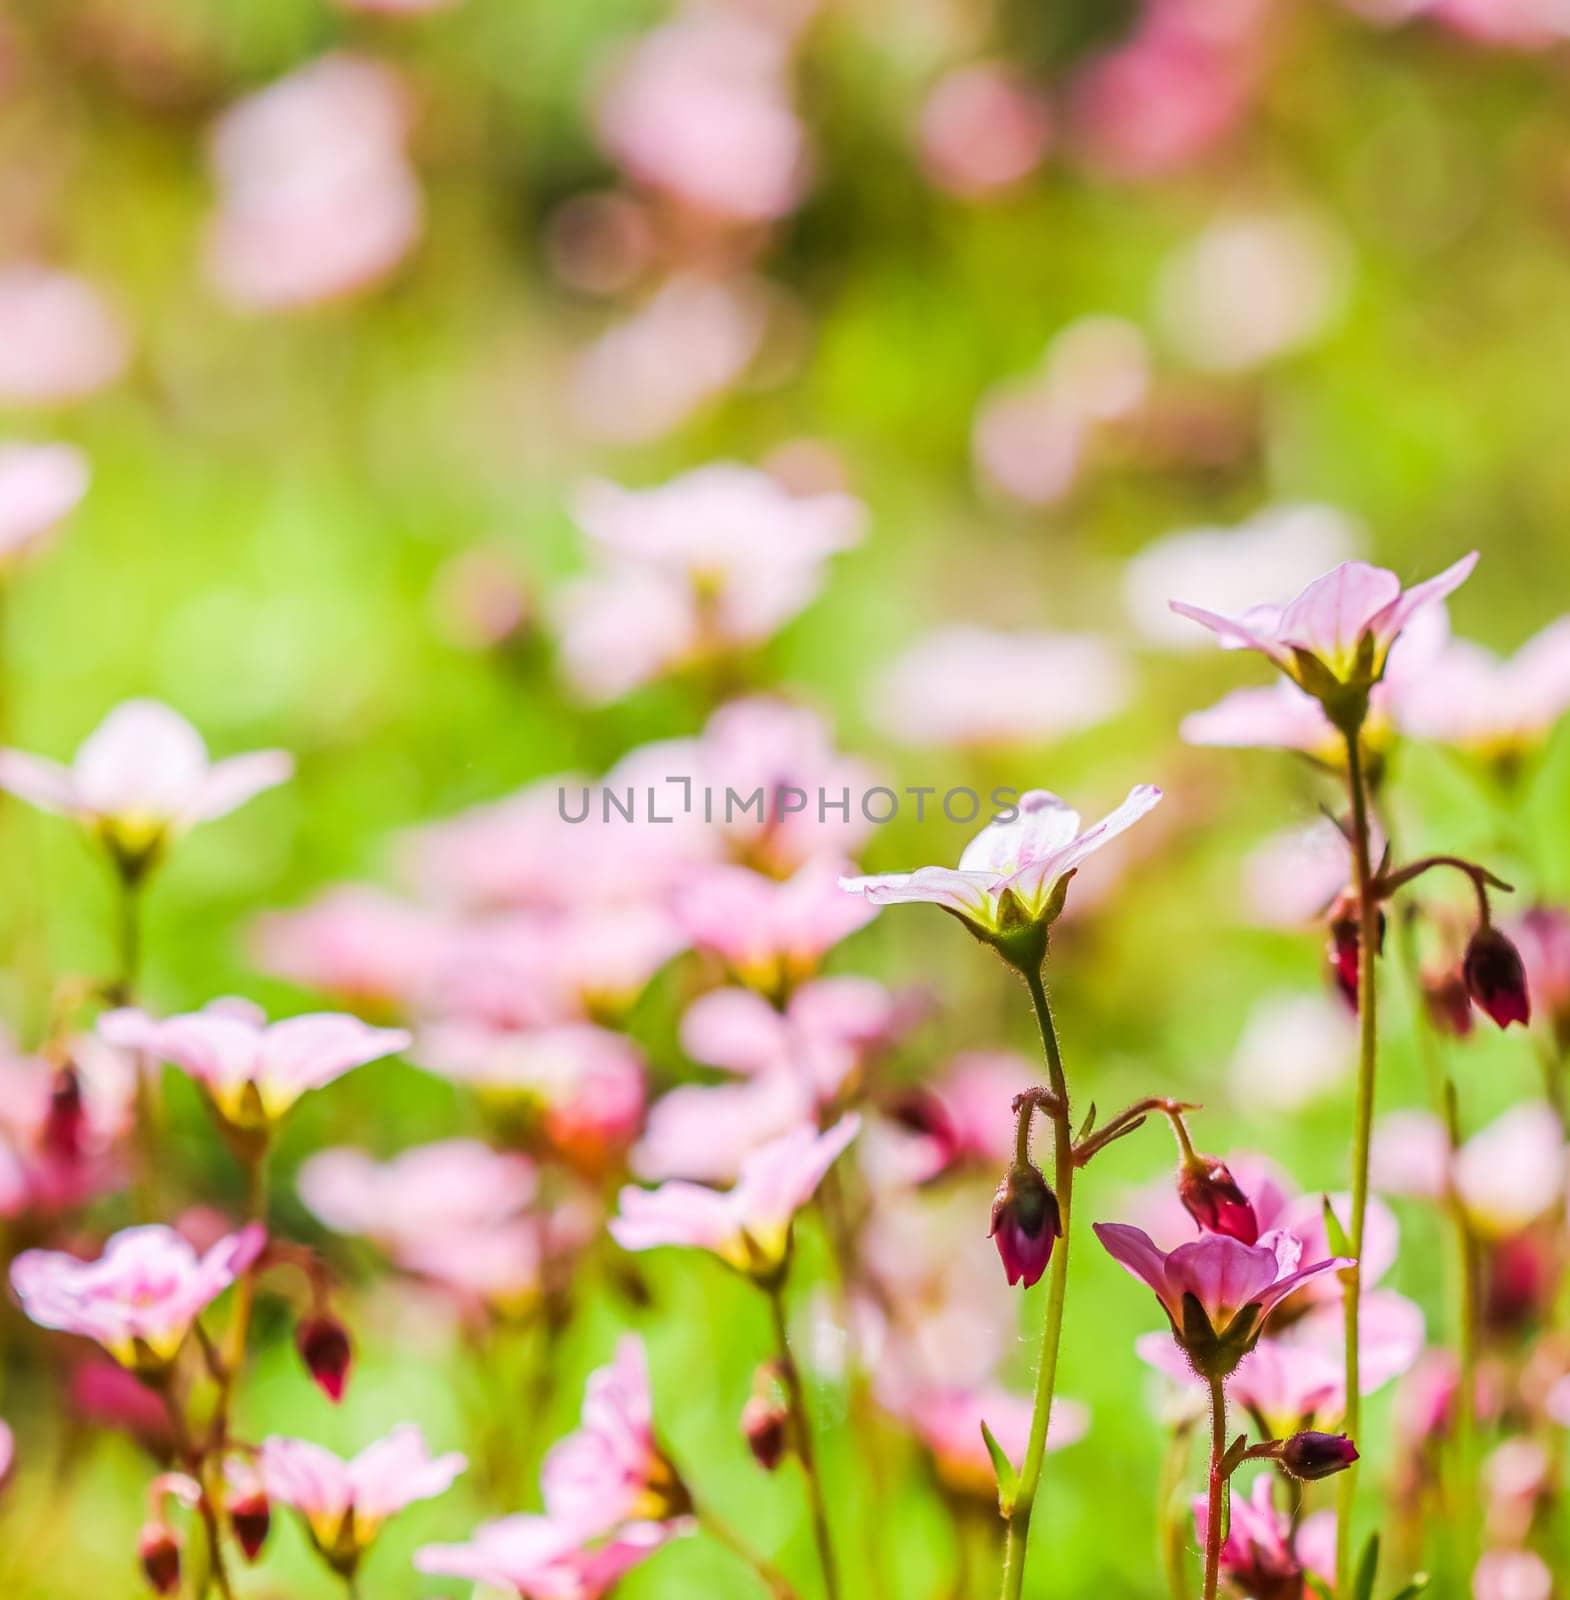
(140, 1297)
(1217, 1291)
(142, 779)
(251, 1071)
(1026, 1223)
(1264, 1553)
(545, 1559)
(1013, 876)
(40, 485)
(1336, 636)
(345, 1503)
(749, 1226)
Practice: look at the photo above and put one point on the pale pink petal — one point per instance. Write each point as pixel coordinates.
(41, 783)
(229, 784)
(144, 761)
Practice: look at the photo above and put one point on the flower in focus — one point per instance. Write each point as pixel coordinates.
(1334, 639)
(965, 686)
(1266, 1553)
(1217, 1291)
(345, 1503)
(1496, 977)
(140, 1297)
(59, 340)
(253, 1071)
(1013, 876)
(1211, 1196)
(316, 198)
(1026, 1223)
(40, 485)
(749, 1226)
(1310, 1455)
(142, 779)
(983, 128)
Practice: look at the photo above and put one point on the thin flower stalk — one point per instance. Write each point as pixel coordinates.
(796, 1397)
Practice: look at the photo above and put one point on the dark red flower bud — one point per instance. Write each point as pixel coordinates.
(1448, 1001)
(1317, 1455)
(65, 1121)
(1211, 1196)
(251, 1517)
(766, 1424)
(1496, 977)
(1025, 1223)
(160, 1556)
(323, 1343)
(1346, 942)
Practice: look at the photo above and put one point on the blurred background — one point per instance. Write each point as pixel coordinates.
(342, 304)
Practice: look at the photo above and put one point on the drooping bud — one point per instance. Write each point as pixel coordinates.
(323, 1343)
(66, 1118)
(766, 1424)
(159, 1552)
(1496, 977)
(1211, 1196)
(1310, 1455)
(251, 1517)
(1345, 922)
(1448, 1001)
(1026, 1223)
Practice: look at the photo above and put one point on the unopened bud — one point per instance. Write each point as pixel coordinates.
(1317, 1455)
(64, 1124)
(766, 1424)
(251, 1517)
(160, 1556)
(1346, 944)
(1026, 1223)
(323, 1343)
(1211, 1196)
(1448, 1001)
(1496, 977)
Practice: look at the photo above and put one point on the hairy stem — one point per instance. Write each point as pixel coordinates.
(1367, 1056)
(796, 1395)
(1018, 1537)
(1215, 1520)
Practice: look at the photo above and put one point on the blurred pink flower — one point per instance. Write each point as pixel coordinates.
(544, 1558)
(706, 1132)
(356, 942)
(772, 935)
(983, 128)
(962, 1115)
(969, 686)
(141, 779)
(1291, 878)
(1293, 1049)
(7, 1453)
(1018, 869)
(1469, 697)
(1346, 621)
(316, 200)
(948, 1420)
(1542, 935)
(749, 1226)
(699, 109)
(40, 485)
(1264, 1553)
(1512, 1575)
(585, 1085)
(140, 1297)
(253, 1071)
(59, 341)
(346, 1503)
(398, 8)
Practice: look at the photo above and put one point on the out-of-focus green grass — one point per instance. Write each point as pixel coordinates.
(272, 497)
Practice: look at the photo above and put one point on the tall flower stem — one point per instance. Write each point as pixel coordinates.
(1215, 1520)
(1367, 1057)
(244, 1298)
(1018, 1536)
(796, 1396)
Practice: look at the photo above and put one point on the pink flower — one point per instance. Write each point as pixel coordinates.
(772, 935)
(1542, 935)
(544, 1558)
(7, 1453)
(749, 1226)
(40, 485)
(59, 340)
(316, 198)
(1337, 634)
(700, 109)
(1512, 1575)
(612, 1471)
(141, 779)
(983, 129)
(1014, 872)
(1294, 1048)
(140, 1297)
(1469, 697)
(961, 1117)
(253, 1071)
(1264, 1554)
(948, 1419)
(346, 1503)
(1235, 1286)
(967, 686)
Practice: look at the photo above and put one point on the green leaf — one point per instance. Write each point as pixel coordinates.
(1321, 1589)
(1003, 1471)
(1420, 1581)
(1335, 1234)
(1367, 1570)
(1089, 1123)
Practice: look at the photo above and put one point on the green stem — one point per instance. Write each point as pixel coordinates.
(795, 1391)
(244, 1299)
(1367, 1056)
(1173, 1523)
(727, 1538)
(1018, 1537)
(1215, 1521)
